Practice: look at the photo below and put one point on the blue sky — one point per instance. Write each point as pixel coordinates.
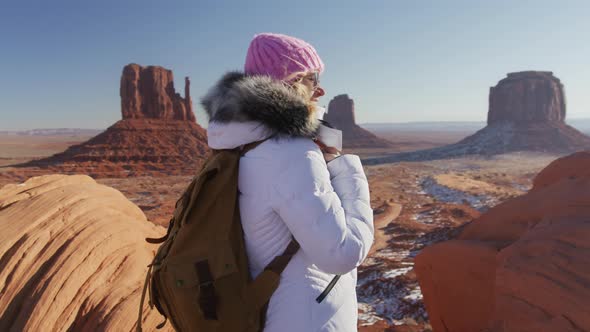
(401, 61)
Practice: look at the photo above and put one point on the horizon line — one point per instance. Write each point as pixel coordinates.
(360, 124)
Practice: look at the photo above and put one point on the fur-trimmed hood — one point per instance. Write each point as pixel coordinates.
(239, 104)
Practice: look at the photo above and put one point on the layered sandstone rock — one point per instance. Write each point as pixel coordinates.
(157, 135)
(522, 266)
(135, 147)
(74, 257)
(340, 114)
(527, 97)
(148, 92)
(526, 113)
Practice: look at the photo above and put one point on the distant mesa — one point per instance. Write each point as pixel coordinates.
(527, 97)
(54, 132)
(527, 112)
(340, 114)
(521, 266)
(158, 132)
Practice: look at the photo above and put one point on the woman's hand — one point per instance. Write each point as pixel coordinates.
(330, 153)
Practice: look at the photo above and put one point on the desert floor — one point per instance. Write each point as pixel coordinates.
(416, 204)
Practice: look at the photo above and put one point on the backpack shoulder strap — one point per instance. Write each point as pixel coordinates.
(262, 287)
(251, 146)
(278, 264)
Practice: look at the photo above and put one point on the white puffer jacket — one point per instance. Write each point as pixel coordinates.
(288, 189)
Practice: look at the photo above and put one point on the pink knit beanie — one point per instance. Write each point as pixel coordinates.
(280, 55)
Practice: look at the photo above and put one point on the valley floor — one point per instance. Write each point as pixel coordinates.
(415, 204)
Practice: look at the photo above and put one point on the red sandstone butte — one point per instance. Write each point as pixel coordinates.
(157, 135)
(522, 266)
(526, 112)
(341, 115)
(148, 92)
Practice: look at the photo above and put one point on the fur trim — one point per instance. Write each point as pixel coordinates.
(239, 97)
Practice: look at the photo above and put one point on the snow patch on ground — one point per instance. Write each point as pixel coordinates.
(426, 217)
(448, 195)
(389, 254)
(415, 295)
(383, 295)
(367, 315)
(521, 187)
(392, 274)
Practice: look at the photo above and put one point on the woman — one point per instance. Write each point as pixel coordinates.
(291, 187)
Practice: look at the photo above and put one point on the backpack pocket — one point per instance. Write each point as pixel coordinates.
(191, 296)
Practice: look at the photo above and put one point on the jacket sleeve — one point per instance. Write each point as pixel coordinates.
(327, 209)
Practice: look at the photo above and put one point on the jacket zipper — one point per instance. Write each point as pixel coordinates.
(326, 291)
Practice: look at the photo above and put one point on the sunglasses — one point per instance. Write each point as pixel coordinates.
(314, 78)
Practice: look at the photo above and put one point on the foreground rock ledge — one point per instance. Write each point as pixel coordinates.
(73, 256)
(522, 266)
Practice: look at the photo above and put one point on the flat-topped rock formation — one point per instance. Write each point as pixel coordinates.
(158, 132)
(340, 114)
(74, 257)
(522, 266)
(527, 112)
(527, 97)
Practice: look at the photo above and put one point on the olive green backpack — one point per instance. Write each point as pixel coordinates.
(199, 279)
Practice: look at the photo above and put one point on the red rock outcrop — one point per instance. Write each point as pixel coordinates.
(148, 92)
(135, 147)
(157, 135)
(522, 266)
(340, 114)
(576, 167)
(526, 97)
(73, 257)
(526, 113)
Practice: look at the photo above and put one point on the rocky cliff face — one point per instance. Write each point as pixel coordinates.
(527, 97)
(74, 257)
(148, 92)
(340, 114)
(522, 266)
(157, 135)
(526, 113)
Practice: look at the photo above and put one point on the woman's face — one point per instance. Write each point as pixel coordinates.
(312, 82)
